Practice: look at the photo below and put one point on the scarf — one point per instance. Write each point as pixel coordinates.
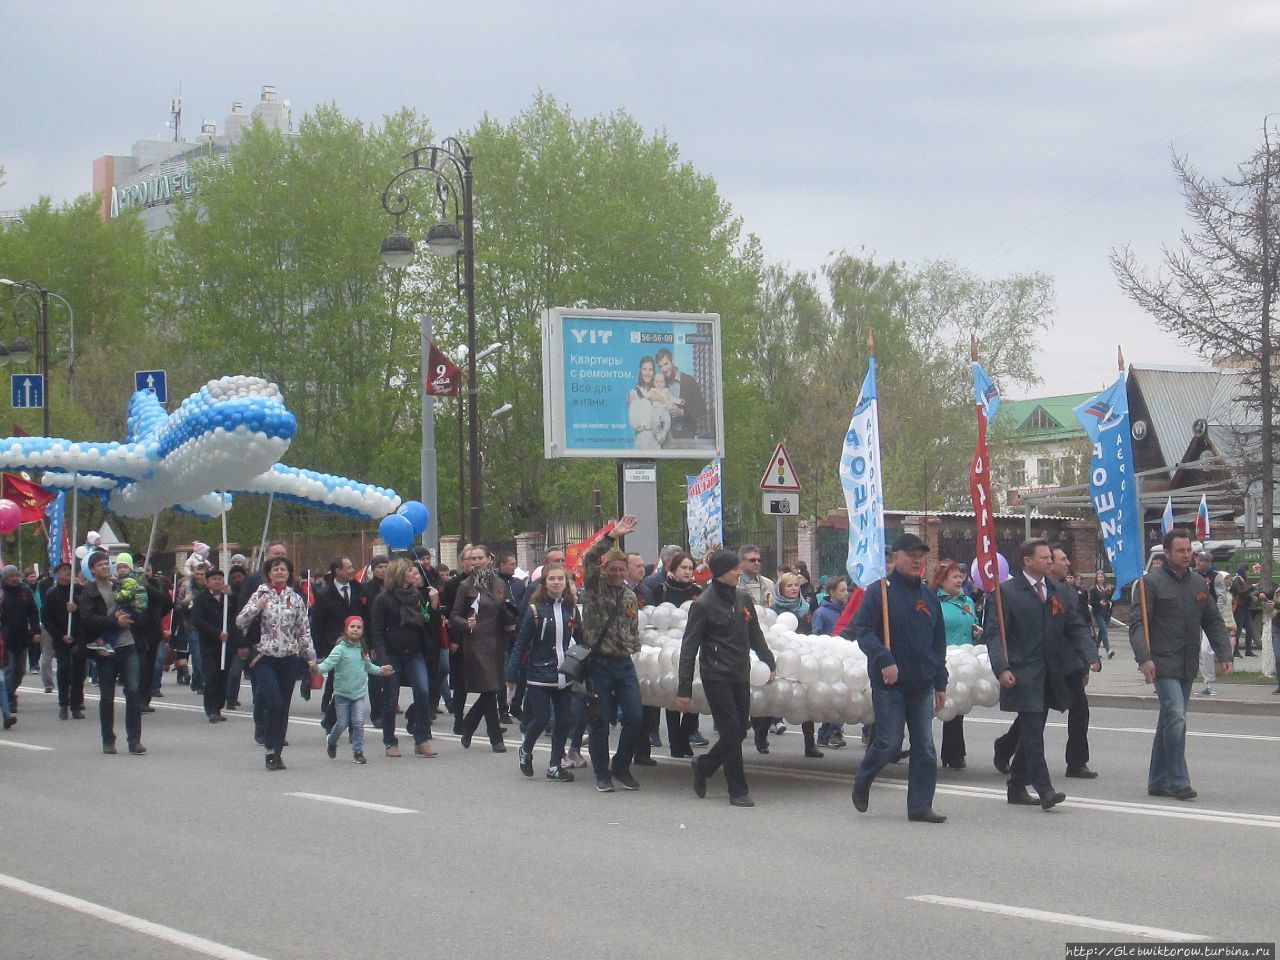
(410, 603)
(798, 605)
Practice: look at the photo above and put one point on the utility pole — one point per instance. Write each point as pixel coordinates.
(1267, 394)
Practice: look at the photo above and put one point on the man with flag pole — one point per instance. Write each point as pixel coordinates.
(899, 624)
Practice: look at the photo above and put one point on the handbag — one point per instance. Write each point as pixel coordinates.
(578, 655)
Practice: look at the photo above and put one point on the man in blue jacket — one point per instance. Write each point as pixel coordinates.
(908, 671)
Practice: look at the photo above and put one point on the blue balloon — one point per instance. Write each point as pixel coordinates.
(396, 531)
(417, 514)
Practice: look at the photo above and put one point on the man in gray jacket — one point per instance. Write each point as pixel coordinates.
(1178, 606)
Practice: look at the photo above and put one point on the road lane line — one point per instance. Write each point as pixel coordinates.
(1067, 919)
(343, 801)
(1263, 738)
(22, 746)
(189, 941)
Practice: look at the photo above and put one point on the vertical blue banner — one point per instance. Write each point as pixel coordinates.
(864, 486)
(56, 513)
(1112, 486)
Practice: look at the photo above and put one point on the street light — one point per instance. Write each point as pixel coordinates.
(449, 164)
(20, 351)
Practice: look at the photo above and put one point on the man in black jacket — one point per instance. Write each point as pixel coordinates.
(212, 615)
(60, 619)
(1043, 636)
(908, 671)
(723, 626)
(20, 623)
(99, 616)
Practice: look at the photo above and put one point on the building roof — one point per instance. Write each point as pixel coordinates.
(1176, 397)
(1017, 417)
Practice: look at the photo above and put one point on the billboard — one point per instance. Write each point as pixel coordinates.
(619, 384)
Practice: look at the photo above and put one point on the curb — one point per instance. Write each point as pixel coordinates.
(1251, 708)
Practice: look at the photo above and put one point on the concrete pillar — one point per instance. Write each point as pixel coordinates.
(807, 545)
(529, 549)
(449, 550)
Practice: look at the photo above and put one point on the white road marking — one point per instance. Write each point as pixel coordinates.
(22, 746)
(1093, 728)
(189, 941)
(343, 801)
(1067, 919)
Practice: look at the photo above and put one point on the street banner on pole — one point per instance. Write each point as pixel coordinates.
(704, 509)
(987, 398)
(864, 486)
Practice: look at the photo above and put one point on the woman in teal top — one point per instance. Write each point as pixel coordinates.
(960, 617)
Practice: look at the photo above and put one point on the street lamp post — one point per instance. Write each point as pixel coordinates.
(450, 165)
(20, 350)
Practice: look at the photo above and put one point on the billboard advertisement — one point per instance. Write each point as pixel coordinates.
(621, 384)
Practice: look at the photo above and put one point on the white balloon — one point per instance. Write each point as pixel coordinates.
(759, 673)
(787, 621)
(788, 664)
(819, 695)
(809, 669)
(948, 711)
(832, 669)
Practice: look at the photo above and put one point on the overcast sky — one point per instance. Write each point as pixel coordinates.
(1005, 136)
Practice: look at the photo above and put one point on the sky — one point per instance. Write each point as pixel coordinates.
(1008, 137)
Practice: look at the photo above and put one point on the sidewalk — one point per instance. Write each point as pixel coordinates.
(1121, 685)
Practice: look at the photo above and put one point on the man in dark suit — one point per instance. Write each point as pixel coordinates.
(689, 413)
(1042, 631)
(339, 598)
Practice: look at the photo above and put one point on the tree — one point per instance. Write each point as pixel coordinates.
(1216, 291)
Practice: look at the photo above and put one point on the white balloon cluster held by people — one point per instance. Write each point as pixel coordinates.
(820, 678)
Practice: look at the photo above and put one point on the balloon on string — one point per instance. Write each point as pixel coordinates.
(81, 552)
(396, 531)
(1002, 566)
(417, 514)
(10, 516)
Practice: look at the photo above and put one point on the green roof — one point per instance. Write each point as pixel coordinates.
(1014, 415)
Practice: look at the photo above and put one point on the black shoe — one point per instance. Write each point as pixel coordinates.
(77, 713)
(147, 708)
(681, 754)
(1019, 797)
(459, 729)
(1159, 792)
(526, 763)
(1001, 762)
(217, 718)
(559, 775)
(280, 762)
(507, 719)
(1052, 799)
(926, 816)
(742, 801)
(955, 764)
(604, 786)
(197, 689)
(260, 736)
(861, 796)
(64, 713)
(699, 780)
(358, 757)
(1184, 793)
(233, 704)
(627, 781)
(108, 747)
(813, 753)
(1082, 772)
(1250, 653)
(698, 740)
(902, 755)
(497, 746)
(762, 747)
(135, 746)
(156, 694)
(466, 741)
(655, 740)
(644, 761)
(332, 750)
(326, 724)
(273, 762)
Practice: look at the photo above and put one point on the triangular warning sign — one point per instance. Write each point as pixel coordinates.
(780, 474)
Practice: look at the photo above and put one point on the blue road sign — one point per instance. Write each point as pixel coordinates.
(28, 390)
(152, 380)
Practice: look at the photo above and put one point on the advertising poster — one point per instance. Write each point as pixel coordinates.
(705, 510)
(619, 384)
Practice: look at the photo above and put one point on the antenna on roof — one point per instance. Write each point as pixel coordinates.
(175, 115)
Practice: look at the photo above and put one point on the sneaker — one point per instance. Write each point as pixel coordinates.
(1110, 654)
(1184, 793)
(358, 757)
(135, 746)
(604, 786)
(100, 648)
(1207, 692)
(332, 750)
(108, 747)
(698, 740)
(824, 741)
(64, 713)
(9, 721)
(77, 713)
(835, 741)
(526, 762)
(559, 775)
(655, 740)
(627, 781)
(779, 728)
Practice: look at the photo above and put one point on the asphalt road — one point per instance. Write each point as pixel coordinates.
(195, 850)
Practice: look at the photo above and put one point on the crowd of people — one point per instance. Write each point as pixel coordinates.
(550, 653)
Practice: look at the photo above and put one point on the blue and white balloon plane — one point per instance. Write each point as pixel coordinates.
(226, 438)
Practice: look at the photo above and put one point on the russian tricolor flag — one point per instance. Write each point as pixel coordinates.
(1202, 520)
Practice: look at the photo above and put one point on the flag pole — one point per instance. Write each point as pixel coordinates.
(884, 581)
(999, 594)
(75, 521)
(151, 542)
(266, 526)
(226, 550)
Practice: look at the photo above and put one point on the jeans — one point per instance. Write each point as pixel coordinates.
(616, 684)
(71, 670)
(897, 710)
(730, 703)
(274, 680)
(1100, 622)
(15, 671)
(350, 714)
(1028, 764)
(1244, 628)
(1169, 748)
(440, 682)
(122, 666)
(538, 702)
(412, 667)
(4, 697)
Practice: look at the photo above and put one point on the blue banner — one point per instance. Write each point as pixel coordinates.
(56, 513)
(864, 486)
(1112, 486)
(705, 510)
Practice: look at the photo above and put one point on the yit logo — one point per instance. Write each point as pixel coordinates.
(592, 336)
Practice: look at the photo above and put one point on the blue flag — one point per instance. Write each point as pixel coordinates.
(864, 486)
(986, 393)
(56, 512)
(1112, 486)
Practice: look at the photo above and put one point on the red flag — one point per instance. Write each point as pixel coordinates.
(575, 552)
(30, 497)
(980, 490)
(442, 378)
(850, 608)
